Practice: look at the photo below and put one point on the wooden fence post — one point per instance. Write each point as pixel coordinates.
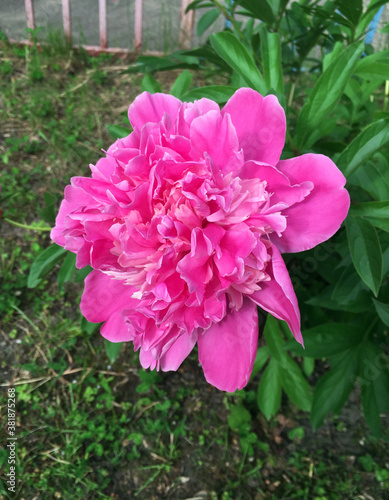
(186, 26)
(103, 23)
(29, 14)
(138, 24)
(66, 20)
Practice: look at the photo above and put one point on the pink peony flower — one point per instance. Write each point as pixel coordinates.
(184, 222)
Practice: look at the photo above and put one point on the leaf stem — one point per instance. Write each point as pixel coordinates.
(27, 226)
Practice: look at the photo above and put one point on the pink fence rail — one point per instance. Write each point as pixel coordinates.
(185, 33)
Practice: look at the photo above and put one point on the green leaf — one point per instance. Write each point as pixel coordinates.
(44, 263)
(271, 60)
(88, 327)
(382, 224)
(263, 354)
(374, 382)
(373, 177)
(198, 4)
(238, 417)
(385, 29)
(378, 209)
(367, 142)
(218, 93)
(351, 10)
(333, 389)
(229, 48)
(112, 349)
(150, 84)
(368, 16)
(374, 66)
(382, 311)
(365, 249)
(331, 56)
(296, 386)
(206, 20)
(81, 274)
(275, 341)
(370, 409)
(326, 93)
(149, 64)
(67, 270)
(117, 131)
(326, 340)
(181, 84)
(260, 9)
(308, 366)
(269, 390)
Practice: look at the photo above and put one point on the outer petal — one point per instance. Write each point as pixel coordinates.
(260, 124)
(321, 213)
(177, 352)
(277, 295)
(104, 299)
(227, 349)
(151, 108)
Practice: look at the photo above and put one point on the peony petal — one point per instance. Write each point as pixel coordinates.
(277, 184)
(115, 329)
(322, 212)
(215, 135)
(260, 124)
(104, 299)
(227, 349)
(177, 352)
(277, 295)
(148, 108)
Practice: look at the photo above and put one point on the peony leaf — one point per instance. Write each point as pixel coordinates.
(67, 270)
(238, 58)
(326, 94)
(296, 386)
(269, 390)
(260, 9)
(218, 93)
(326, 340)
(181, 84)
(382, 311)
(260, 360)
(365, 249)
(271, 60)
(117, 131)
(44, 263)
(112, 349)
(150, 84)
(334, 388)
(370, 140)
(207, 20)
(374, 382)
(274, 341)
(373, 66)
(378, 209)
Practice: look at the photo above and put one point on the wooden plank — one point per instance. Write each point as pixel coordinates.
(93, 50)
(67, 26)
(138, 24)
(103, 23)
(29, 14)
(186, 26)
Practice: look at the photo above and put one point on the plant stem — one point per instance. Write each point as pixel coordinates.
(27, 226)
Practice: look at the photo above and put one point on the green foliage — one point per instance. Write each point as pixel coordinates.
(234, 53)
(113, 349)
(280, 373)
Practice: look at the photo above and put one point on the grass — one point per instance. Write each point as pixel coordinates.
(87, 429)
